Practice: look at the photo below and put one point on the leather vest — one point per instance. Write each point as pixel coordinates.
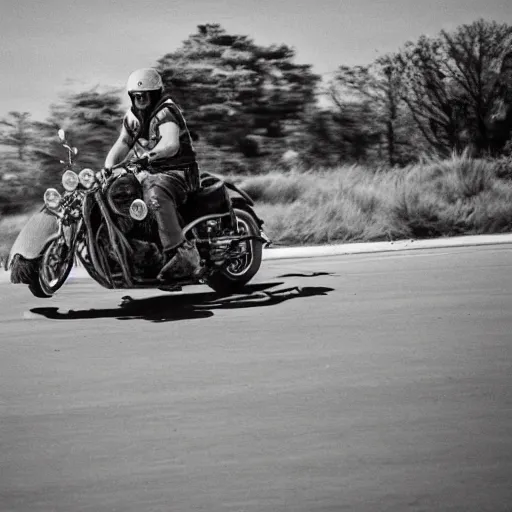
(165, 111)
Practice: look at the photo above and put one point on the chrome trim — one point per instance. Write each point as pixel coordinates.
(194, 223)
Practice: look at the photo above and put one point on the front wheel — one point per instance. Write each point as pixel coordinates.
(54, 268)
(238, 272)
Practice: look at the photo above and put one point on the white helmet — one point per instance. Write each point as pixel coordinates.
(145, 79)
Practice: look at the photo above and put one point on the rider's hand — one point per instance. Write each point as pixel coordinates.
(106, 172)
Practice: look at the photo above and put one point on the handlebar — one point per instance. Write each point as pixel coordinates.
(138, 162)
(133, 165)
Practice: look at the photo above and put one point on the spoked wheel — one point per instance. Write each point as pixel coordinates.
(54, 268)
(238, 272)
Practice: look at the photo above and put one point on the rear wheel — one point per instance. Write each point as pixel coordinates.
(238, 272)
(54, 268)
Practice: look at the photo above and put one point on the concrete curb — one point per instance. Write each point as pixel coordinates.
(375, 247)
(279, 253)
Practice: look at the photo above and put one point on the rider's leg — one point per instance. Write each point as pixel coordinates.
(164, 193)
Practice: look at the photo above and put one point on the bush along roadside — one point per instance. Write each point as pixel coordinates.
(356, 204)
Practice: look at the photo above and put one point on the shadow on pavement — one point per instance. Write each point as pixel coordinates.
(308, 274)
(169, 308)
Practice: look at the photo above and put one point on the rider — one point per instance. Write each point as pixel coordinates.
(155, 130)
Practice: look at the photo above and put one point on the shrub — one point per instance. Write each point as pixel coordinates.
(436, 198)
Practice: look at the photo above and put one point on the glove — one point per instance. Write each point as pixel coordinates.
(105, 173)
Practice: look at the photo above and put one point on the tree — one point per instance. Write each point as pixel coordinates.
(18, 133)
(336, 137)
(92, 120)
(378, 86)
(499, 122)
(448, 84)
(232, 88)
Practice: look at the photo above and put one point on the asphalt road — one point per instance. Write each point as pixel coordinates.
(358, 383)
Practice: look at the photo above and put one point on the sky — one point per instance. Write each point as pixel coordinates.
(51, 47)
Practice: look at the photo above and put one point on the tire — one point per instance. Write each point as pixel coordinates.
(37, 291)
(53, 270)
(237, 274)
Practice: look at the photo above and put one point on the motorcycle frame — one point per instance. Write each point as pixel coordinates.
(98, 268)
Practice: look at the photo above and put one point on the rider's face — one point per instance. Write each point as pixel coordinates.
(141, 100)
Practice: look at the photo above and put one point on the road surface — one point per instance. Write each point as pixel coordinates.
(377, 382)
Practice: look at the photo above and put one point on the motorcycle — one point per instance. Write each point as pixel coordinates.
(102, 222)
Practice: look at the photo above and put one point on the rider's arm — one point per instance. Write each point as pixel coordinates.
(169, 143)
(119, 151)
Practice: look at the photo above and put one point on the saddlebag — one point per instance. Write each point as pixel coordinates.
(212, 197)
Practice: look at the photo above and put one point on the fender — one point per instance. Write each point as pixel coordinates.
(34, 236)
(243, 201)
(234, 188)
(242, 204)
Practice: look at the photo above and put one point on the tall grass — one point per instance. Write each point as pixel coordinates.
(435, 198)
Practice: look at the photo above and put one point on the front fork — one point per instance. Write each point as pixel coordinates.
(121, 249)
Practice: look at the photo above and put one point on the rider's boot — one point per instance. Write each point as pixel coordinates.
(185, 262)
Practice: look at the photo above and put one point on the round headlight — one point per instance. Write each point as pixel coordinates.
(86, 178)
(70, 180)
(52, 198)
(138, 209)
